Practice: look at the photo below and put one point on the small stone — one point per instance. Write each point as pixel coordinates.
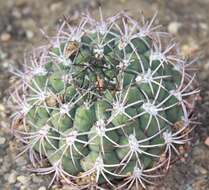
(139, 188)
(26, 11)
(207, 141)
(23, 179)
(173, 27)
(206, 67)
(2, 140)
(6, 164)
(6, 175)
(42, 188)
(37, 179)
(12, 177)
(3, 56)
(55, 6)
(5, 37)
(200, 154)
(204, 26)
(67, 187)
(29, 34)
(23, 187)
(203, 171)
(189, 49)
(2, 108)
(20, 2)
(123, 1)
(29, 24)
(16, 13)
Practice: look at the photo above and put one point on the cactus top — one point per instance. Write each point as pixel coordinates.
(106, 102)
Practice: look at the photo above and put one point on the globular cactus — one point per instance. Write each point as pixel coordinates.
(107, 103)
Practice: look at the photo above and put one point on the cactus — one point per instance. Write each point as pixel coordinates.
(105, 103)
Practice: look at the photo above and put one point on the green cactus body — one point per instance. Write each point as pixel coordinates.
(103, 101)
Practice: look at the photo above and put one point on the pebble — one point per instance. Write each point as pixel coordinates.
(3, 56)
(206, 67)
(67, 187)
(26, 11)
(23, 179)
(2, 108)
(203, 171)
(37, 179)
(173, 27)
(123, 1)
(6, 175)
(42, 188)
(23, 187)
(200, 154)
(2, 140)
(207, 141)
(12, 177)
(16, 13)
(204, 26)
(199, 170)
(6, 165)
(20, 2)
(29, 34)
(189, 49)
(5, 37)
(55, 6)
(29, 24)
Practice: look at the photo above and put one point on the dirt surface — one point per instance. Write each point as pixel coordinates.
(20, 23)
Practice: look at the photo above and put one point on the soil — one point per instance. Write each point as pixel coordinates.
(20, 24)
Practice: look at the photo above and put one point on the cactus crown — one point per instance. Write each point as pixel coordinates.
(106, 102)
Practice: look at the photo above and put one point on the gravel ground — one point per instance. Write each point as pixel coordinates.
(20, 21)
